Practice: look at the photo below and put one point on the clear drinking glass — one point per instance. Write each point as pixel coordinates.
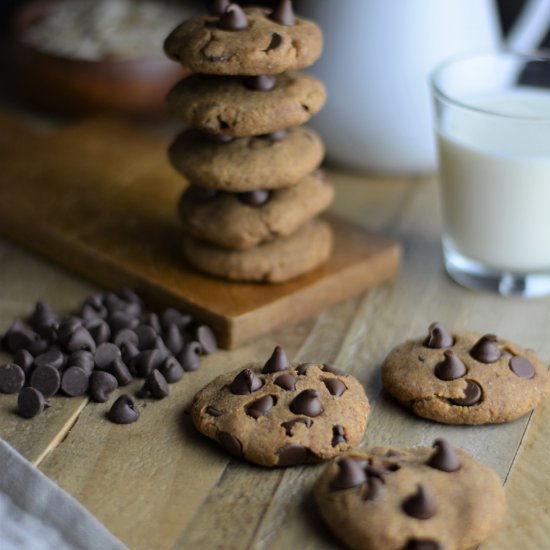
(493, 133)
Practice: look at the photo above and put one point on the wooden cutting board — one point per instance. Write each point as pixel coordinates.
(99, 197)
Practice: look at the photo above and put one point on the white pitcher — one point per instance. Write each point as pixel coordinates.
(377, 58)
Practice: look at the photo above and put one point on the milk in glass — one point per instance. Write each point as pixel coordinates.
(495, 173)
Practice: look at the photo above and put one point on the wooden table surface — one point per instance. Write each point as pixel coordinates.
(157, 484)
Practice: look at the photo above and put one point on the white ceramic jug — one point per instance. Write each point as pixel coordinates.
(377, 58)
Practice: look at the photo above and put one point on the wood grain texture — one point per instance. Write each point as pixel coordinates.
(103, 204)
(158, 484)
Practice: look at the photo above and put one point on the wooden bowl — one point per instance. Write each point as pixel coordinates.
(68, 85)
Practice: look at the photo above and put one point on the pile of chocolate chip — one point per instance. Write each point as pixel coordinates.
(112, 340)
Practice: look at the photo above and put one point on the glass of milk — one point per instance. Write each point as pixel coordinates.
(493, 130)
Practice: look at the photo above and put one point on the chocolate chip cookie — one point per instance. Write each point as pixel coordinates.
(276, 261)
(243, 220)
(465, 378)
(278, 414)
(237, 106)
(275, 160)
(404, 499)
(249, 41)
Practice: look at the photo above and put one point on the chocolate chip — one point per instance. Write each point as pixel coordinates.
(334, 386)
(206, 338)
(152, 320)
(12, 378)
(218, 7)
(277, 362)
(245, 383)
(522, 367)
(44, 320)
(283, 13)
(230, 443)
(486, 349)
(254, 198)
(74, 381)
(125, 336)
(302, 368)
(261, 406)
(121, 372)
(158, 344)
(260, 83)
(420, 505)
(374, 488)
(472, 395)
(124, 410)
(338, 435)
(100, 330)
(289, 426)
(53, 357)
(218, 139)
(80, 339)
(46, 326)
(212, 411)
(129, 352)
(173, 339)
(46, 380)
(101, 384)
(438, 337)
(172, 316)
(276, 42)
(105, 355)
(350, 474)
(147, 361)
(450, 368)
(20, 337)
(292, 454)
(233, 19)
(278, 135)
(307, 402)
(146, 337)
(422, 544)
(171, 370)
(333, 370)
(83, 359)
(120, 320)
(30, 402)
(444, 458)
(286, 381)
(189, 357)
(155, 385)
(67, 327)
(129, 295)
(24, 359)
(94, 301)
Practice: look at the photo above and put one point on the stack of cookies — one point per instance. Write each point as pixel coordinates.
(249, 213)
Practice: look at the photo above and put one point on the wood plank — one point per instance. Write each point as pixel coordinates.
(386, 316)
(25, 278)
(144, 481)
(102, 199)
(527, 523)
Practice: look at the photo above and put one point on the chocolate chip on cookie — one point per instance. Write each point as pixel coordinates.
(465, 378)
(279, 417)
(410, 498)
(245, 41)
